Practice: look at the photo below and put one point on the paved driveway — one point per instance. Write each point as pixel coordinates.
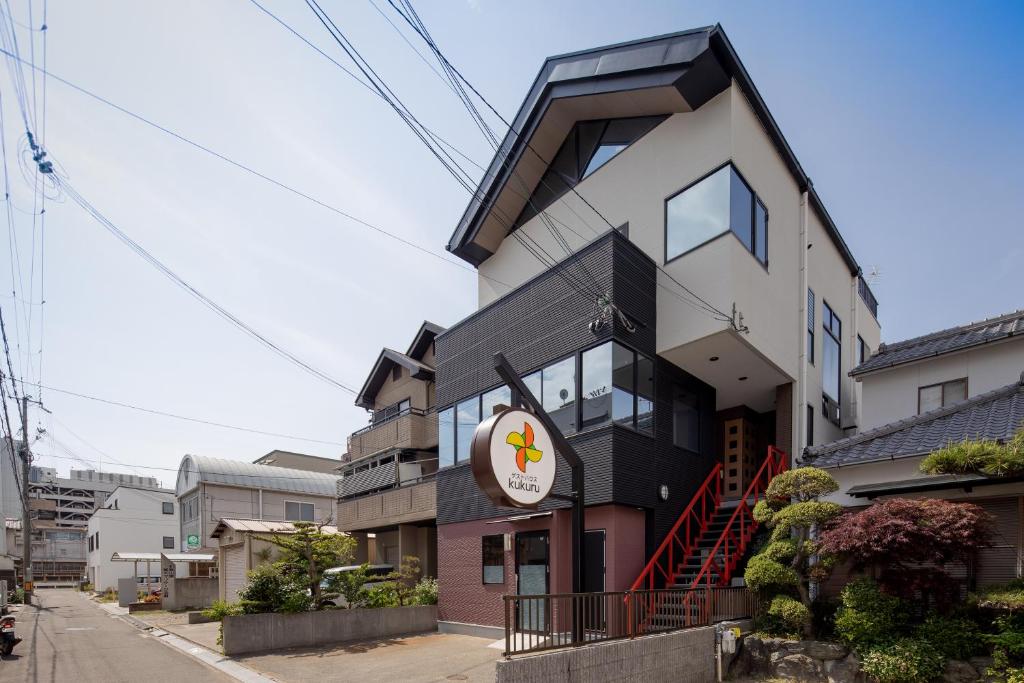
(413, 659)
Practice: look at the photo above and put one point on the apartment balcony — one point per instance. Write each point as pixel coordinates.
(401, 505)
(411, 429)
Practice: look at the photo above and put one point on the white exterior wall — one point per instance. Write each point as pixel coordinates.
(137, 525)
(891, 394)
(633, 188)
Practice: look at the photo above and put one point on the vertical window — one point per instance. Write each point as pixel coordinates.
(761, 232)
(685, 419)
(534, 383)
(645, 394)
(467, 417)
(740, 207)
(831, 352)
(168, 542)
(863, 352)
(810, 326)
(622, 384)
(502, 396)
(167, 508)
(559, 393)
(596, 389)
(446, 437)
(298, 512)
(941, 395)
(810, 425)
(494, 559)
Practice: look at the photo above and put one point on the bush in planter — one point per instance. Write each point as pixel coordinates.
(908, 660)
(222, 608)
(425, 592)
(955, 638)
(381, 595)
(868, 617)
(785, 617)
(350, 585)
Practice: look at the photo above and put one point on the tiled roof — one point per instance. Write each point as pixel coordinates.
(944, 341)
(262, 526)
(997, 415)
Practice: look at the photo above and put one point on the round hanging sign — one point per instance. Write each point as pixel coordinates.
(513, 459)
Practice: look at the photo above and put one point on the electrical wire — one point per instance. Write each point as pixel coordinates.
(211, 423)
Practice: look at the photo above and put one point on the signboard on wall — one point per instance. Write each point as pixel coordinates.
(192, 542)
(513, 459)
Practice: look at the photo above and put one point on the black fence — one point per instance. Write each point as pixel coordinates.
(535, 623)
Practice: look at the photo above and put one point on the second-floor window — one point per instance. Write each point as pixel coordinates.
(167, 508)
(863, 352)
(298, 512)
(831, 363)
(941, 395)
(719, 202)
(810, 326)
(168, 542)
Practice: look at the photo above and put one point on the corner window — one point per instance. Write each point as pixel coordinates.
(685, 419)
(494, 559)
(167, 508)
(467, 417)
(168, 542)
(611, 387)
(298, 512)
(941, 395)
(446, 437)
(558, 393)
(714, 205)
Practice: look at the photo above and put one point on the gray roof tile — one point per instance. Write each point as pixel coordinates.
(996, 414)
(944, 341)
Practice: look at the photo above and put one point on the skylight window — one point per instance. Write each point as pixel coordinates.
(601, 157)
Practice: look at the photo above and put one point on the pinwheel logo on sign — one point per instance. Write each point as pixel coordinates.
(512, 458)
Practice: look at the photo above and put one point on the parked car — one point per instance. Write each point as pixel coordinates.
(376, 575)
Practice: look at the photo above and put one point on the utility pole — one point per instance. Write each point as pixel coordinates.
(26, 518)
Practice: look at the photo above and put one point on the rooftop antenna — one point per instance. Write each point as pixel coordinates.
(874, 275)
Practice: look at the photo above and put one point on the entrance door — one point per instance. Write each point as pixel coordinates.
(532, 567)
(594, 578)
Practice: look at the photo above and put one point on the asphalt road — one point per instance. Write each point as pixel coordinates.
(68, 638)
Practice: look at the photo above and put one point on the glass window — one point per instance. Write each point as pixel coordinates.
(404, 406)
(446, 437)
(831, 352)
(941, 395)
(596, 394)
(645, 394)
(168, 542)
(298, 512)
(740, 207)
(559, 390)
(494, 559)
(622, 384)
(685, 419)
(467, 417)
(810, 326)
(534, 384)
(954, 392)
(863, 352)
(167, 508)
(760, 232)
(810, 426)
(502, 396)
(697, 214)
(602, 156)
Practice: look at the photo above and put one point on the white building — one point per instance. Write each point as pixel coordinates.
(131, 520)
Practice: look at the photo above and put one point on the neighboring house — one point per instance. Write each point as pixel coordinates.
(210, 489)
(387, 496)
(720, 315)
(938, 369)
(241, 548)
(132, 520)
(78, 495)
(299, 461)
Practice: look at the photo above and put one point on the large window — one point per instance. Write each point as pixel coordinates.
(502, 396)
(941, 395)
(607, 389)
(831, 366)
(446, 437)
(467, 417)
(714, 205)
(494, 559)
(298, 512)
(685, 419)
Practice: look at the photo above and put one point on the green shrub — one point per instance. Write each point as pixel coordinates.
(222, 608)
(296, 600)
(970, 456)
(763, 572)
(780, 551)
(955, 638)
(786, 616)
(269, 588)
(381, 595)
(1004, 462)
(868, 617)
(350, 584)
(907, 660)
(425, 592)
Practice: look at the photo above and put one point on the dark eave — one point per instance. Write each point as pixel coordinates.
(696, 64)
(964, 482)
(421, 342)
(387, 359)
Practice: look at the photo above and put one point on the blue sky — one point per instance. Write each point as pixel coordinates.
(906, 116)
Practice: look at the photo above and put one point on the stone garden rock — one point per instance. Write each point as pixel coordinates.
(822, 650)
(960, 672)
(800, 668)
(845, 670)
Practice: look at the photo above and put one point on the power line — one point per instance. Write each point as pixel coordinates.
(175, 416)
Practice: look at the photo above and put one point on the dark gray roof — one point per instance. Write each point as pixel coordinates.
(996, 415)
(699, 63)
(944, 341)
(387, 359)
(424, 336)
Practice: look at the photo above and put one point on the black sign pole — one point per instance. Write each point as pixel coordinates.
(572, 458)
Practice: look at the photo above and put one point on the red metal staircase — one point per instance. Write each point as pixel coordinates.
(707, 543)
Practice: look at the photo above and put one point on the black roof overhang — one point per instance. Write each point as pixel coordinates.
(698, 63)
(947, 482)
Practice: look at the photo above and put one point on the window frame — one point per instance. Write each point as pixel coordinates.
(300, 503)
(163, 508)
(755, 200)
(943, 384)
(812, 317)
(171, 546)
(863, 352)
(483, 559)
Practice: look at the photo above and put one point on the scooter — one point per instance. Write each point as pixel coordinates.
(7, 638)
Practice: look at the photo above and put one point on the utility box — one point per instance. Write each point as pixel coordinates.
(127, 591)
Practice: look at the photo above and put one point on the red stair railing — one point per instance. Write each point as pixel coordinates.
(684, 534)
(738, 531)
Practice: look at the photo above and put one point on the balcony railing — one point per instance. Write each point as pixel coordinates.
(412, 428)
(415, 502)
(867, 296)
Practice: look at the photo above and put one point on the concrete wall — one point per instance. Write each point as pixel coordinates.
(680, 657)
(264, 632)
(194, 593)
(891, 395)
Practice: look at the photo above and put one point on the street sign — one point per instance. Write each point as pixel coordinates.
(513, 459)
(193, 541)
